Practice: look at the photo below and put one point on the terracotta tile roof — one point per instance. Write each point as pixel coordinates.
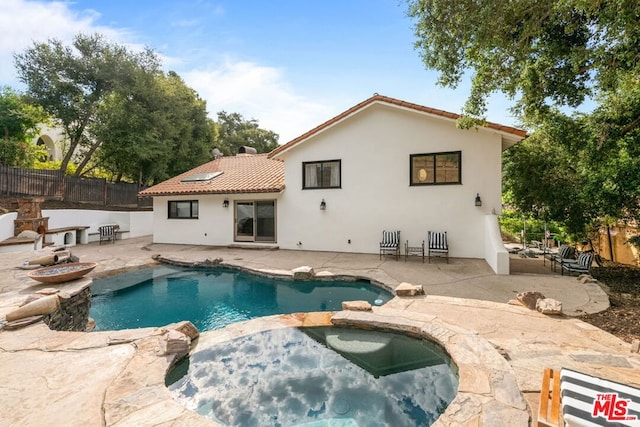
(517, 133)
(244, 173)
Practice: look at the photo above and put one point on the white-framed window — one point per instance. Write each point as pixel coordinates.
(183, 209)
(322, 174)
(436, 168)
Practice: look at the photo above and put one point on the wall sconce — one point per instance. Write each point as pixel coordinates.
(225, 204)
(478, 200)
(323, 205)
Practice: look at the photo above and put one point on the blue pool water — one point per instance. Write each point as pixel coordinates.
(212, 299)
(316, 377)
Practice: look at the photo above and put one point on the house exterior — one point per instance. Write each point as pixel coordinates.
(384, 164)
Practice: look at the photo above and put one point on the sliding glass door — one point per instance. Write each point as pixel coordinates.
(255, 221)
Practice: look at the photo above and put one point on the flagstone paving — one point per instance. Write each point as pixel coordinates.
(117, 377)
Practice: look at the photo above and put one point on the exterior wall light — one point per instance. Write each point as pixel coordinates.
(478, 200)
(225, 204)
(323, 205)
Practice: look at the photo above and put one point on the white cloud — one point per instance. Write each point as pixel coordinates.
(251, 89)
(23, 22)
(259, 92)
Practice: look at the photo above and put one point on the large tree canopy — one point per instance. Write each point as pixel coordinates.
(234, 131)
(156, 130)
(540, 52)
(71, 83)
(549, 55)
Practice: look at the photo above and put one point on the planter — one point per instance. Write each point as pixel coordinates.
(62, 273)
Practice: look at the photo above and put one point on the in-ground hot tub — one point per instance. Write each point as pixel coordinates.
(318, 376)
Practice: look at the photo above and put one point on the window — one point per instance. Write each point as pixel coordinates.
(436, 168)
(325, 174)
(183, 209)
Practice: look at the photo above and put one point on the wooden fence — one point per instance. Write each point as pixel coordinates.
(55, 185)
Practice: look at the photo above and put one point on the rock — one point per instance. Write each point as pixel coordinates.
(405, 289)
(529, 299)
(174, 342)
(91, 325)
(21, 323)
(356, 306)
(48, 291)
(303, 273)
(187, 328)
(586, 278)
(549, 306)
(635, 346)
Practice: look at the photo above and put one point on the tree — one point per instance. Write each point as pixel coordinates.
(156, 130)
(234, 131)
(549, 55)
(72, 82)
(19, 122)
(542, 52)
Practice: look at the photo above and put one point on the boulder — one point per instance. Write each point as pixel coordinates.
(529, 299)
(356, 306)
(549, 306)
(174, 342)
(405, 289)
(303, 273)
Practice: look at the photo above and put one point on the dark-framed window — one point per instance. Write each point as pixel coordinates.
(322, 174)
(183, 209)
(436, 168)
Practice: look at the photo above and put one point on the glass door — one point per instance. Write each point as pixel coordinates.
(266, 221)
(255, 221)
(244, 221)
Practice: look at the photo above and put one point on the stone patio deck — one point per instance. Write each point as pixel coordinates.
(117, 378)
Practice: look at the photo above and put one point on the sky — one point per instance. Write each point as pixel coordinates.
(289, 64)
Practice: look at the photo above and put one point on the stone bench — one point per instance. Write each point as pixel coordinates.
(67, 236)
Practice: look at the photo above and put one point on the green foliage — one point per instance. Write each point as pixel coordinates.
(234, 131)
(72, 82)
(19, 122)
(549, 55)
(540, 52)
(156, 130)
(512, 223)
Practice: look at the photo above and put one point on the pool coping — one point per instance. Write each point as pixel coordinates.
(488, 392)
(546, 342)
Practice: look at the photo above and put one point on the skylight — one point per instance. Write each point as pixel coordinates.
(200, 177)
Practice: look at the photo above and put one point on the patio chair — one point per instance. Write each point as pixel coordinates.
(581, 265)
(390, 243)
(565, 253)
(108, 233)
(437, 244)
(575, 399)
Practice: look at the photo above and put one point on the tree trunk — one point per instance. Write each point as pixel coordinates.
(87, 157)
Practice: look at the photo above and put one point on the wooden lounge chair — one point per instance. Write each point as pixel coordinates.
(549, 408)
(580, 266)
(437, 244)
(108, 233)
(390, 243)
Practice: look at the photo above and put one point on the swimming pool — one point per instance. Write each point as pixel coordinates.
(214, 298)
(321, 376)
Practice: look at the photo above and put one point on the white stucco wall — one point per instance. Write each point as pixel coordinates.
(496, 254)
(7, 226)
(374, 147)
(136, 223)
(215, 223)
